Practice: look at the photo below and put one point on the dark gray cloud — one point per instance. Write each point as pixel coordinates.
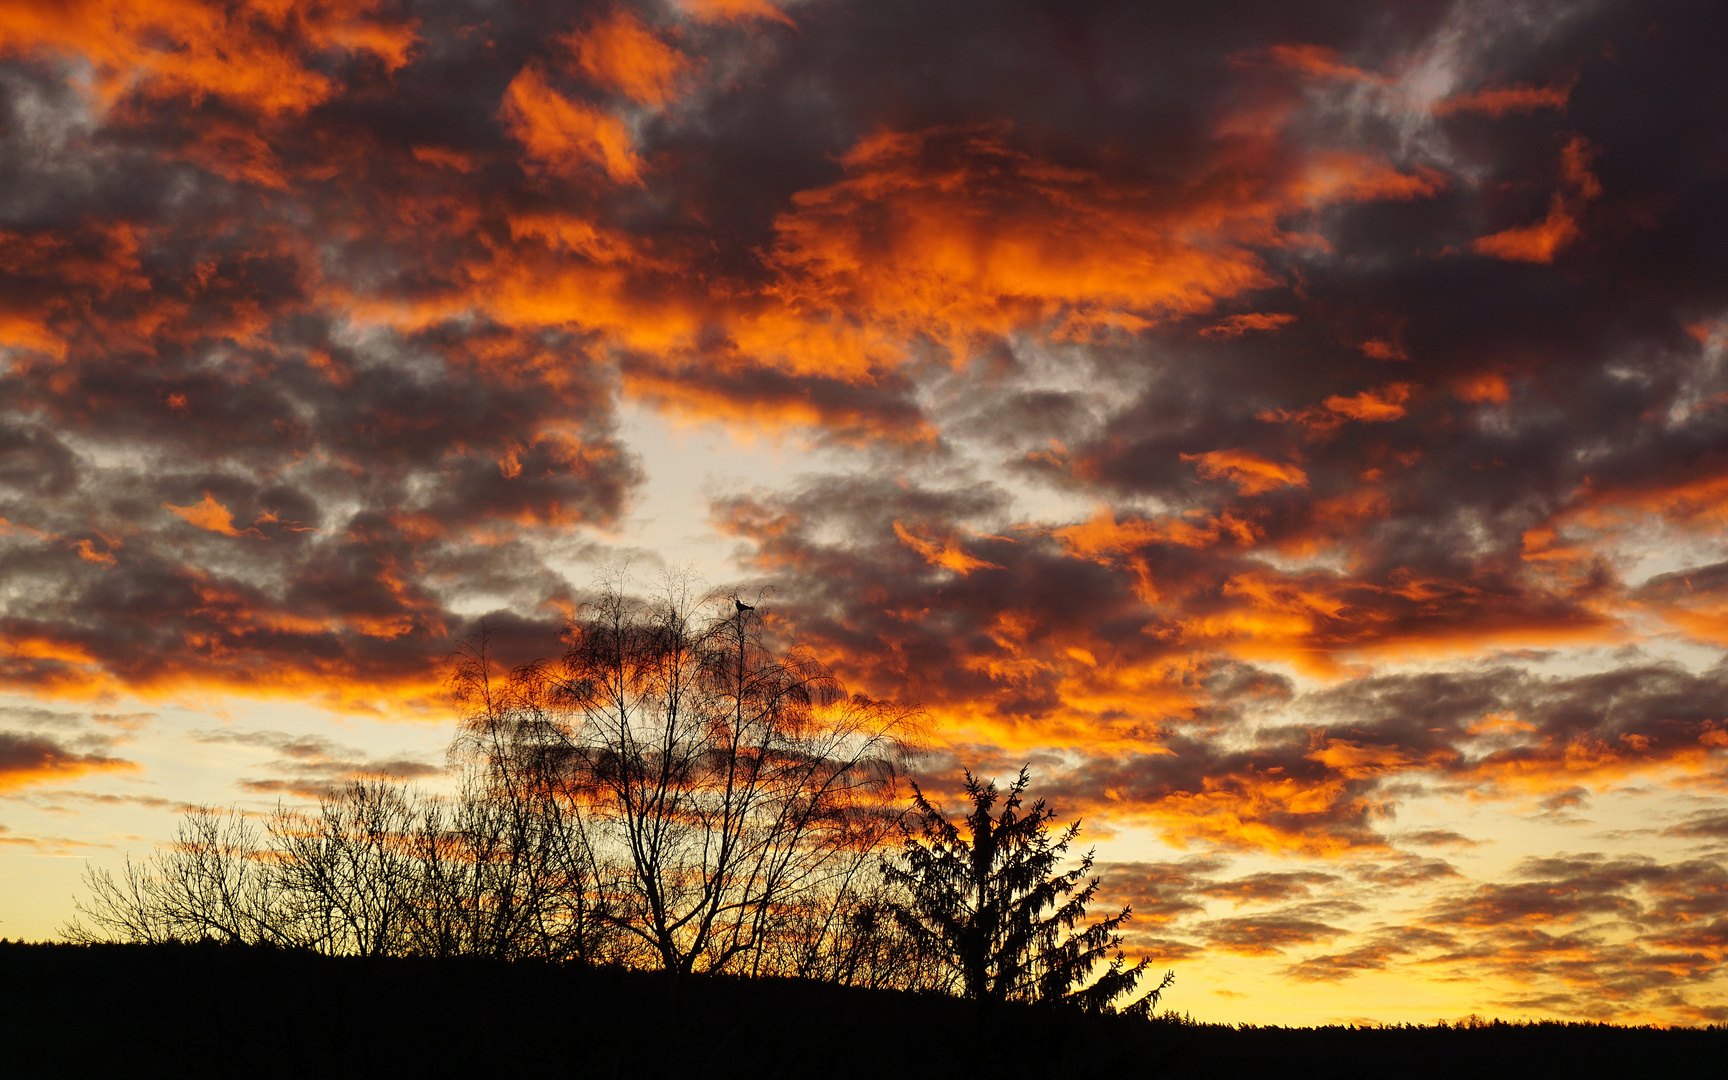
(1438, 838)
(310, 766)
(1267, 935)
(36, 758)
(1707, 824)
(1380, 949)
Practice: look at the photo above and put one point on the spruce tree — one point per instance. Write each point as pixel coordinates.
(990, 903)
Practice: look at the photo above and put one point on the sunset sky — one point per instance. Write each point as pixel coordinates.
(1300, 431)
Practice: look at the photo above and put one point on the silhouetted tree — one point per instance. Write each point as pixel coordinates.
(861, 943)
(992, 903)
(514, 872)
(376, 870)
(673, 792)
(348, 876)
(209, 883)
(738, 788)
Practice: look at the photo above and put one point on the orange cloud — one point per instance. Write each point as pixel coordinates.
(1359, 761)
(87, 551)
(1265, 812)
(120, 308)
(242, 658)
(207, 514)
(1337, 520)
(1104, 540)
(20, 331)
(734, 11)
(1314, 61)
(1694, 600)
(620, 53)
(1100, 699)
(1312, 620)
(1705, 620)
(1485, 387)
(1381, 349)
(1103, 536)
(566, 137)
(1559, 763)
(1532, 243)
(947, 236)
(1251, 473)
(106, 259)
(952, 233)
(237, 152)
(444, 158)
(1372, 406)
(1538, 243)
(1497, 101)
(943, 553)
(259, 55)
(1274, 616)
(1368, 407)
(1694, 499)
(751, 405)
(7, 528)
(1237, 325)
(1499, 723)
(1320, 63)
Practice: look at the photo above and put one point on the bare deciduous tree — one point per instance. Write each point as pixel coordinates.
(673, 792)
(513, 873)
(349, 873)
(735, 784)
(212, 881)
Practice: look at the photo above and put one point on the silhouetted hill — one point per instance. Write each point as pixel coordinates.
(211, 1010)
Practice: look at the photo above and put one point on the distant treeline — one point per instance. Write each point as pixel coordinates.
(671, 794)
(228, 1010)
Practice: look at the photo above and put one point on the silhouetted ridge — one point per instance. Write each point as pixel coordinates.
(219, 1010)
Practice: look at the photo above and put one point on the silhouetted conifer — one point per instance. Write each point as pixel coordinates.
(992, 902)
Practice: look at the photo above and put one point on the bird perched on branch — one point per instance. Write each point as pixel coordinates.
(742, 606)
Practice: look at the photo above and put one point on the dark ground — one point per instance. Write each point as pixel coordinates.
(210, 1010)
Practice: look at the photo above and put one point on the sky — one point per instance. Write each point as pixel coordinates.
(1298, 431)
